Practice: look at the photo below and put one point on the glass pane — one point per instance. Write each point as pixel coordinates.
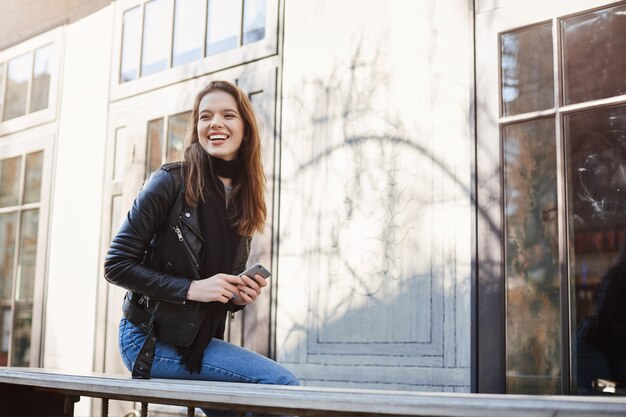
(527, 70)
(32, 180)
(253, 20)
(119, 166)
(533, 342)
(10, 181)
(27, 256)
(8, 229)
(594, 58)
(41, 79)
(5, 334)
(18, 76)
(223, 24)
(1, 88)
(188, 31)
(596, 167)
(20, 353)
(131, 45)
(176, 131)
(155, 146)
(157, 26)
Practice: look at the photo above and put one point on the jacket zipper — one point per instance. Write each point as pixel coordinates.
(179, 233)
(192, 227)
(190, 253)
(145, 300)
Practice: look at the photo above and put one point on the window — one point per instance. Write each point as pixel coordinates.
(188, 32)
(20, 196)
(131, 46)
(158, 35)
(27, 88)
(165, 147)
(562, 121)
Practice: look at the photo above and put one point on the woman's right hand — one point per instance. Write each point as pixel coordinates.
(219, 287)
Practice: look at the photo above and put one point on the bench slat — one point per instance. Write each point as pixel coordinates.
(312, 400)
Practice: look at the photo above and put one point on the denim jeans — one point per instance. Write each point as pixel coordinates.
(222, 361)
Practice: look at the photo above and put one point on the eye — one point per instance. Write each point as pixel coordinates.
(230, 116)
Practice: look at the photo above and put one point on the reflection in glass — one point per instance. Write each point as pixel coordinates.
(32, 180)
(594, 58)
(527, 70)
(131, 45)
(157, 26)
(177, 126)
(25, 278)
(253, 20)
(19, 70)
(223, 24)
(5, 333)
(188, 31)
(41, 79)
(10, 181)
(8, 225)
(20, 352)
(119, 163)
(596, 169)
(155, 146)
(533, 341)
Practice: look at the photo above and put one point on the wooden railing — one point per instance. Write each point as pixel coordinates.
(34, 392)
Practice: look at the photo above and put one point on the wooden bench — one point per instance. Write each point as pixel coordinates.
(31, 391)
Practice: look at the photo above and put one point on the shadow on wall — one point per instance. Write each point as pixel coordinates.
(369, 206)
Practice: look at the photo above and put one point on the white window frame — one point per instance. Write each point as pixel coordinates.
(54, 38)
(21, 144)
(240, 55)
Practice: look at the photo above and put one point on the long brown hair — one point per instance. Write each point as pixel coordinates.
(247, 207)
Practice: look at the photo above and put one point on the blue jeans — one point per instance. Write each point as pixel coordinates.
(222, 361)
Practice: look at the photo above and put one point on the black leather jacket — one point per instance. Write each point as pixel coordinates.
(155, 256)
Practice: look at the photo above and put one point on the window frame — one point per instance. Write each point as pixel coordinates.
(49, 114)
(38, 139)
(205, 65)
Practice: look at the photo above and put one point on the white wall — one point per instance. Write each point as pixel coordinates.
(375, 210)
(77, 195)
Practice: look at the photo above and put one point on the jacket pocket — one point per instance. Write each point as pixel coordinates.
(178, 324)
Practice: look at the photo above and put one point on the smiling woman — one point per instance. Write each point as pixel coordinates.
(185, 243)
(220, 128)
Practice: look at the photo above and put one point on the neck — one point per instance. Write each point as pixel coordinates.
(226, 181)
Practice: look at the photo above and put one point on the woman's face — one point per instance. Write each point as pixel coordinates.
(220, 126)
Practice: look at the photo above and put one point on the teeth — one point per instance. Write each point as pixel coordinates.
(218, 137)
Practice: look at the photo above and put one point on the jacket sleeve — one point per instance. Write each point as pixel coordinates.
(123, 263)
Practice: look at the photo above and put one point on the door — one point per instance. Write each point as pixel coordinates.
(551, 175)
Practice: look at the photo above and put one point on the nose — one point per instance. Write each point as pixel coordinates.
(216, 121)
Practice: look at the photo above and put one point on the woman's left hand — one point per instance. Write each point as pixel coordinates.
(248, 293)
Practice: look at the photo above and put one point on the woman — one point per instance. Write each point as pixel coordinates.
(183, 244)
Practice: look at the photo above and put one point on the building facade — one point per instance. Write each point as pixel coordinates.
(445, 181)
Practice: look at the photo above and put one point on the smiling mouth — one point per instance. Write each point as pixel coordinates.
(217, 137)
